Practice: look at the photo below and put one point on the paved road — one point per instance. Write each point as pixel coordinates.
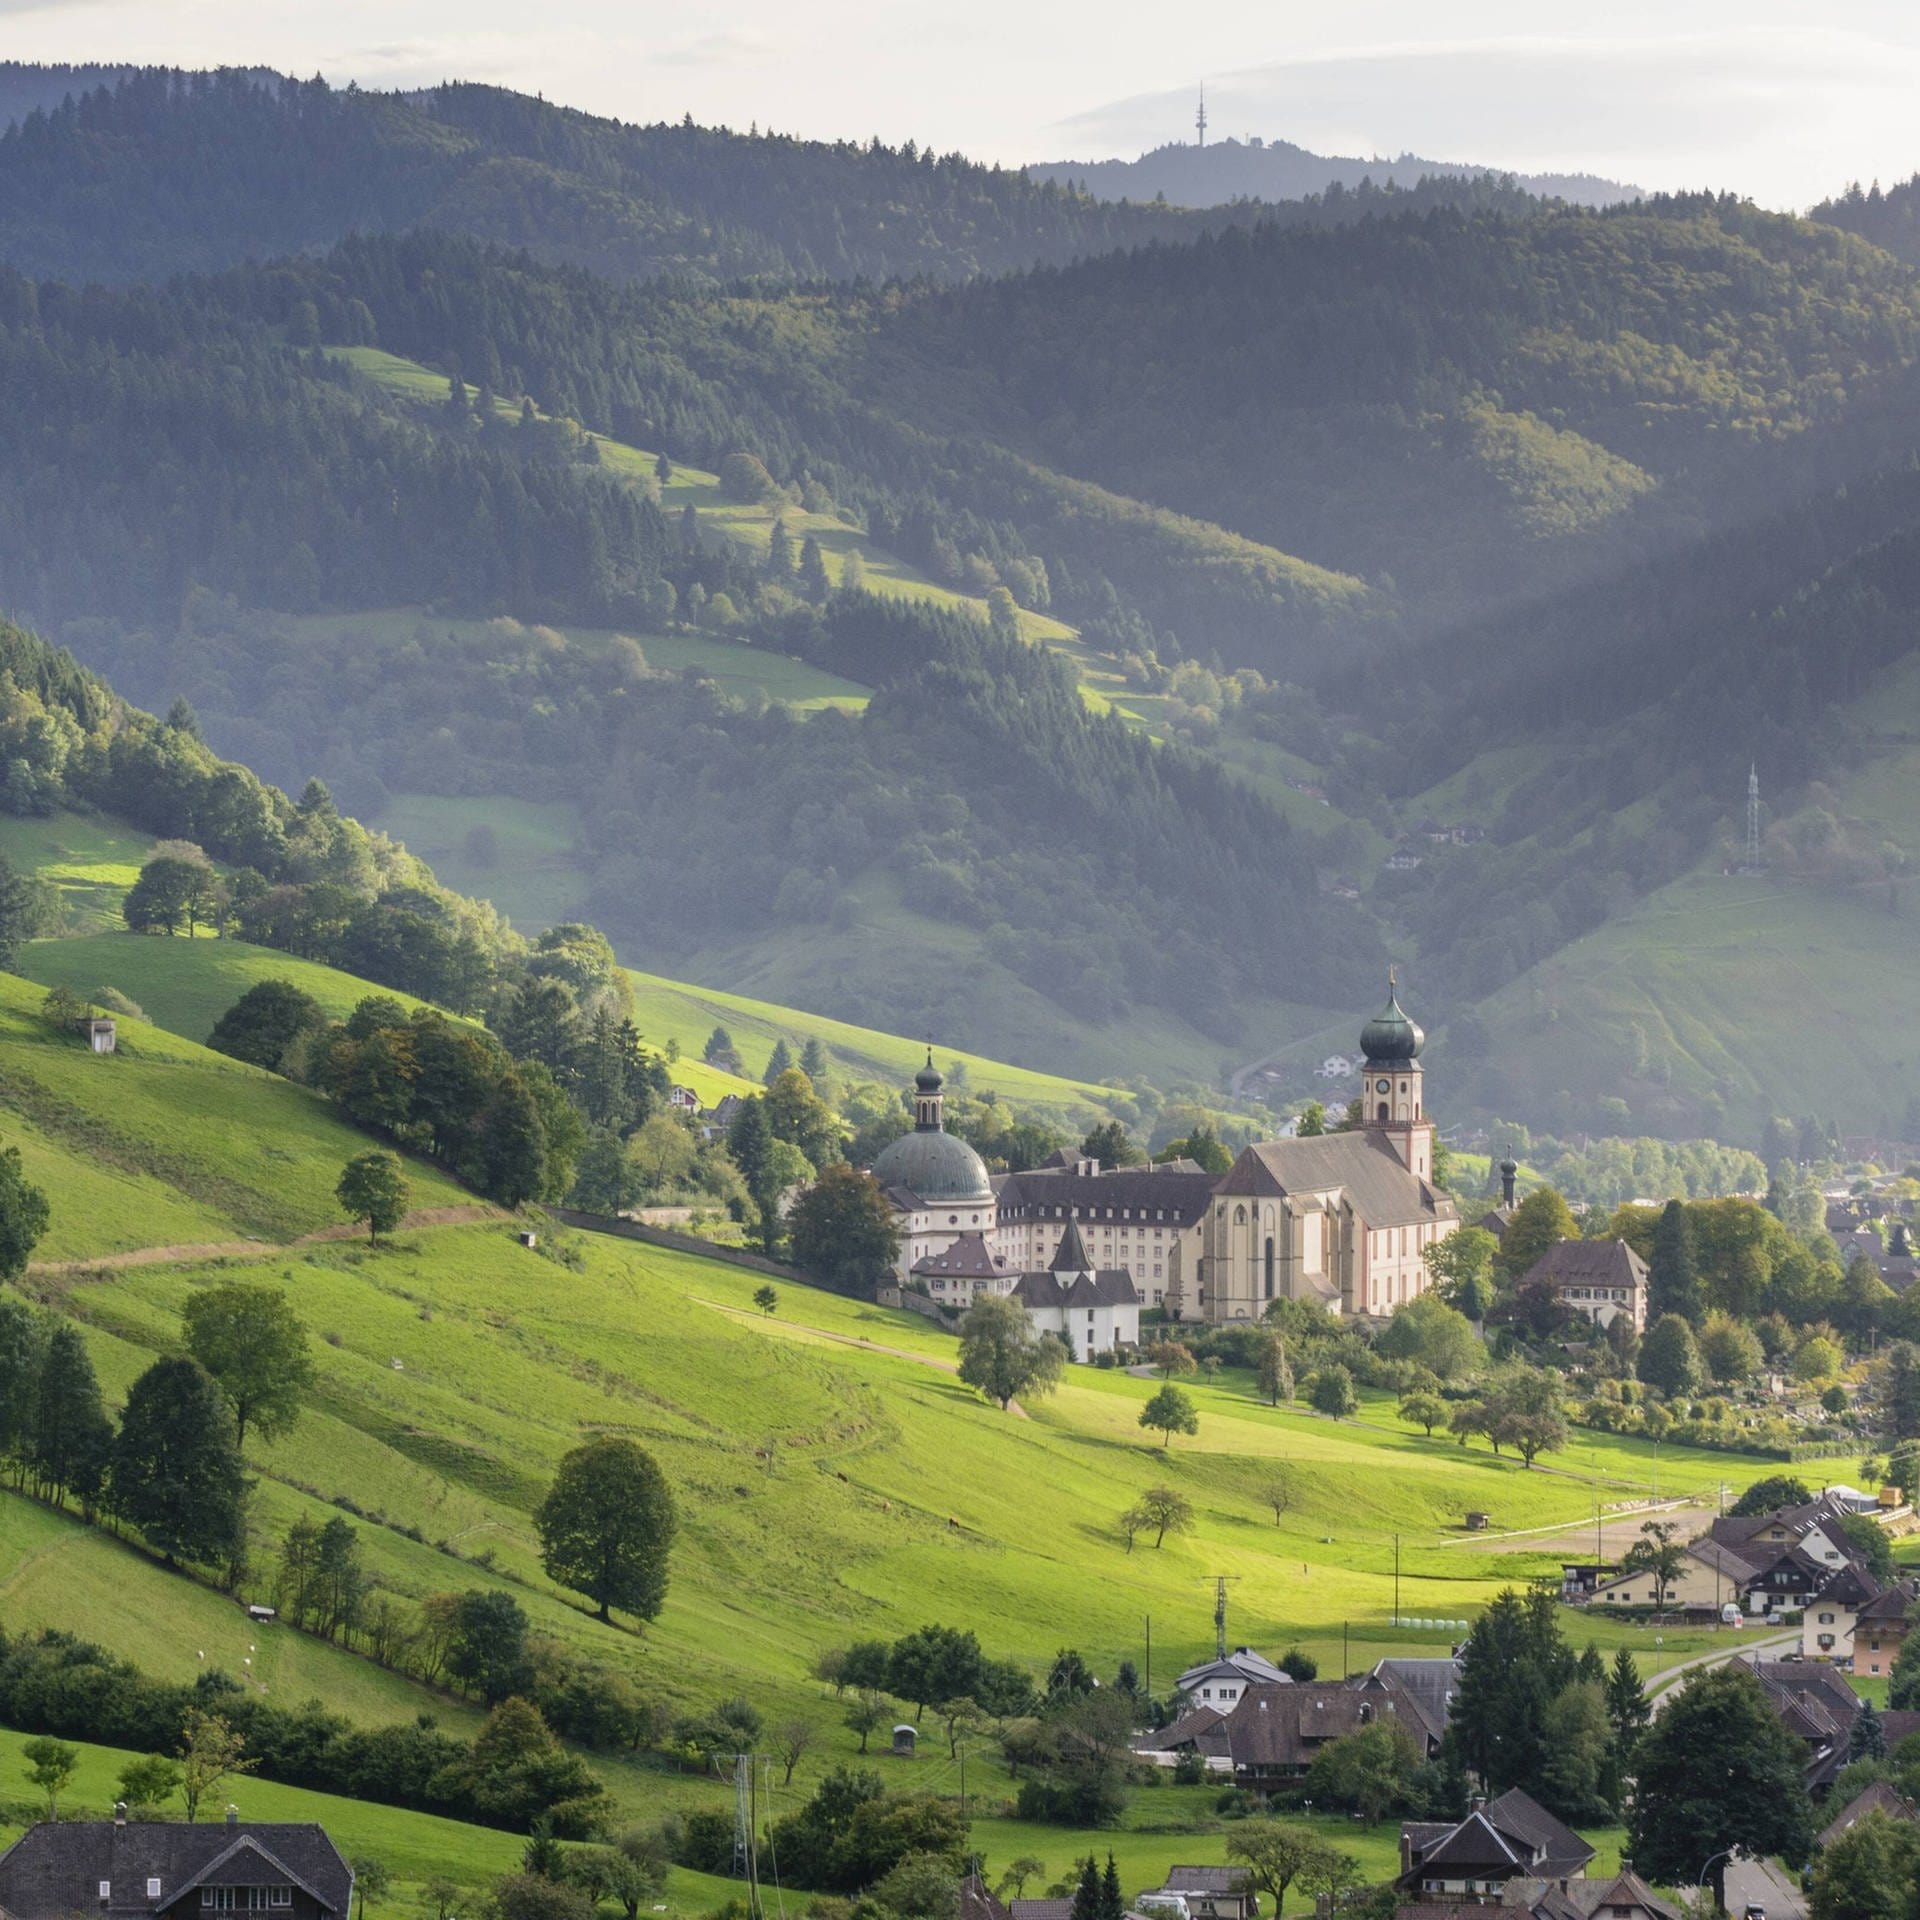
(1665, 1685)
(1761, 1881)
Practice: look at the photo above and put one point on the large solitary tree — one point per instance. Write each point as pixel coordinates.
(23, 1215)
(373, 1187)
(1002, 1356)
(1717, 1769)
(253, 1343)
(1170, 1411)
(607, 1526)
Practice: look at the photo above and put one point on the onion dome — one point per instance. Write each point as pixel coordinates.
(1390, 1037)
(928, 1079)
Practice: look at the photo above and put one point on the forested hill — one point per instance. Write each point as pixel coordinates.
(164, 171)
(1890, 218)
(1474, 406)
(1186, 175)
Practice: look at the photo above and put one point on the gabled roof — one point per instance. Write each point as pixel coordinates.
(1888, 1605)
(1207, 1880)
(1850, 1588)
(1198, 1728)
(53, 1871)
(1428, 1686)
(1625, 1889)
(1362, 1165)
(1071, 1255)
(1474, 1843)
(1882, 1797)
(1557, 1849)
(1241, 1664)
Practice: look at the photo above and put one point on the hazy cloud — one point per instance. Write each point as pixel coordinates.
(734, 47)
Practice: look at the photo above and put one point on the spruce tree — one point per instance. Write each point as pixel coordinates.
(813, 1060)
(72, 1436)
(1673, 1275)
(1113, 1905)
(1086, 1896)
(778, 1062)
(175, 1473)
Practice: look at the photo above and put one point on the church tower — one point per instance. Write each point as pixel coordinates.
(929, 1102)
(1392, 1102)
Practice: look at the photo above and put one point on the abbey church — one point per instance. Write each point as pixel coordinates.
(1342, 1218)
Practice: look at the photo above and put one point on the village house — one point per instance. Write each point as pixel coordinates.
(1344, 1218)
(1207, 1893)
(1826, 1630)
(1603, 1279)
(123, 1869)
(1708, 1578)
(1471, 1861)
(1271, 1733)
(1880, 1629)
(1883, 1797)
(1813, 1527)
(1817, 1706)
(1219, 1683)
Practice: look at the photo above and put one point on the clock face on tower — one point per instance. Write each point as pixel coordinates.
(1383, 1086)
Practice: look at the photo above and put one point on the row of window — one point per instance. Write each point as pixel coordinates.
(222, 1899)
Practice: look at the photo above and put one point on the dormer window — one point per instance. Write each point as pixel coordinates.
(153, 1888)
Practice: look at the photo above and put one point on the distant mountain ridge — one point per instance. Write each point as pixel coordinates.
(1214, 176)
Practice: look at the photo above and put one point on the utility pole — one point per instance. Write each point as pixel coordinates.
(742, 1819)
(1149, 1656)
(1220, 1613)
(1396, 1579)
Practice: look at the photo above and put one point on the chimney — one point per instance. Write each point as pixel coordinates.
(1477, 1803)
(1507, 1171)
(233, 1814)
(1626, 1863)
(119, 1813)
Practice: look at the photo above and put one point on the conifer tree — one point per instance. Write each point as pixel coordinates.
(72, 1436)
(1673, 1274)
(175, 1473)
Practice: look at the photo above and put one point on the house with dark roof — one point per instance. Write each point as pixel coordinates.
(1816, 1705)
(1814, 1527)
(959, 1272)
(1095, 1310)
(1826, 1629)
(1219, 1683)
(121, 1869)
(1473, 1860)
(1603, 1279)
(1880, 1629)
(1207, 1893)
(1343, 1218)
(1883, 1798)
(1272, 1732)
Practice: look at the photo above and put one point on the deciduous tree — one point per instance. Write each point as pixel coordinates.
(1002, 1356)
(607, 1526)
(251, 1341)
(1170, 1411)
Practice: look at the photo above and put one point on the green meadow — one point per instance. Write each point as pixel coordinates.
(164, 1143)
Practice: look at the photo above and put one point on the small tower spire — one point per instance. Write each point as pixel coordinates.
(1753, 817)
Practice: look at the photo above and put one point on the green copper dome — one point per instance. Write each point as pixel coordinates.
(937, 1167)
(1390, 1036)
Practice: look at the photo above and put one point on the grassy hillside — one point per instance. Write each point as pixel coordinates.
(165, 1143)
(1722, 999)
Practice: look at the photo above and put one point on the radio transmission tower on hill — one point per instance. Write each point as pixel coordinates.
(1200, 118)
(1752, 863)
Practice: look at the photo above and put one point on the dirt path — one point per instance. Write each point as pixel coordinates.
(259, 1249)
(795, 1330)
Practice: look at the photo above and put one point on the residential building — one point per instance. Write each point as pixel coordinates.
(1208, 1893)
(1826, 1631)
(1220, 1683)
(1271, 1733)
(1603, 1279)
(1346, 1219)
(1471, 1861)
(962, 1270)
(1883, 1797)
(1817, 1705)
(1880, 1630)
(1709, 1576)
(123, 1869)
(1813, 1527)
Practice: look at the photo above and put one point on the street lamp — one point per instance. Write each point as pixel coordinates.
(1725, 1853)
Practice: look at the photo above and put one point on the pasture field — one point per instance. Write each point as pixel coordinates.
(92, 860)
(165, 1143)
(837, 1479)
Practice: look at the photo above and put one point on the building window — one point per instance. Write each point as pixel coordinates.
(153, 1888)
(106, 1890)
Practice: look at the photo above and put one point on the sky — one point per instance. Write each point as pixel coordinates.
(1766, 97)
